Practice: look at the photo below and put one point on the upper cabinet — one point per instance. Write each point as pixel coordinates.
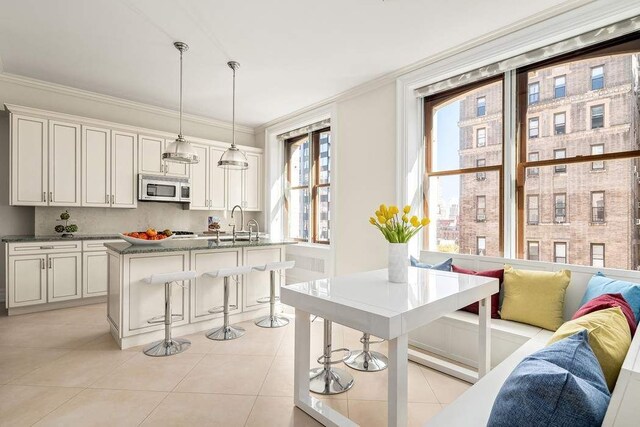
(124, 169)
(252, 200)
(64, 164)
(150, 158)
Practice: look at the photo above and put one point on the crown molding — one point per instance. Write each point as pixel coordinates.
(120, 102)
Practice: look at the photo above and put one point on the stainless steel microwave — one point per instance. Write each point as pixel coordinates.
(160, 188)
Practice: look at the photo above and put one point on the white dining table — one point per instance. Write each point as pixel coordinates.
(368, 302)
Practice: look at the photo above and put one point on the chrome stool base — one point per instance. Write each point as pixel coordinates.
(368, 361)
(272, 322)
(167, 348)
(225, 333)
(329, 381)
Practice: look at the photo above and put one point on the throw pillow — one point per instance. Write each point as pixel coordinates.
(600, 284)
(560, 385)
(608, 301)
(495, 298)
(443, 266)
(534, 297)
(609, 338)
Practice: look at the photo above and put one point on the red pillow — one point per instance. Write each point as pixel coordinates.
(495, 298)
(609, 301)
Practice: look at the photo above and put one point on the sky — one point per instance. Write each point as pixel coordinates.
(448, 142)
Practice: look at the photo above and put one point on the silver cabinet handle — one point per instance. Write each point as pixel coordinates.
(46, 247)
(49, 259)
(112, 201)
(44, 196)
(42, 263)
(106, 198)
(50, 196)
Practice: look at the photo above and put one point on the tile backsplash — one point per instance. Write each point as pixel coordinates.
(147, 214)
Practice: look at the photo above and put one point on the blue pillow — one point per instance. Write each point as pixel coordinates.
(560, 385)
(443, 266)
(600, 284)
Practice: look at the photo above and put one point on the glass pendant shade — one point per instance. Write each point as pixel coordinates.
(180, 151)
(233, 159)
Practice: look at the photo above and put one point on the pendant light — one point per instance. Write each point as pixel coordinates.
(233, 158)
(180, 150)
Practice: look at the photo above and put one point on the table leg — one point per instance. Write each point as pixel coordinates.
(301, 357)
(398, 381)
(484, 345)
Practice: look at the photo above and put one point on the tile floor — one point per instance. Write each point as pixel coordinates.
(62, 368)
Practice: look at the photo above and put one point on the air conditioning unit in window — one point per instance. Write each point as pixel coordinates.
(481, 217)
(637, 221)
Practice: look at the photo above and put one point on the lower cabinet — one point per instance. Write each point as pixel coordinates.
(27, 280)
(94, 273)
(64, 277)
(207, 292)
(257, 284)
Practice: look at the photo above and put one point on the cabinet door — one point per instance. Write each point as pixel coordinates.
(27, 280)
(252, 200)
(235, 180)
(200, 180)
(173, 168)
(257, 284)
(218, 181)
(64, 164)
(64, 276)
(150, 154)
(124, 170)
(94, 274)
(207, 292)
(29, 161)
(96, 167)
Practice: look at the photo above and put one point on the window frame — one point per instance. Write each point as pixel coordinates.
(562, 114)
(479, 112)
(529, 209)
(591, 257)
(533, 172)
(560, 168)
(484, 137)
(531, 243)
(600, 116)
(482, 197)
(566, 252)
(563, 208)
(530, 128)
(536, 93)
(593, 164)
(556, 87)
(601, 78)
(484, 241)
(595, 208)
(481, 176)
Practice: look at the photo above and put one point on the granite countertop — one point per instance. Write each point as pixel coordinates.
(55, 238)
(191, 245)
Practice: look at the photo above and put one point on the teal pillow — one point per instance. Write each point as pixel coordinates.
(600, 284)
(443, 266)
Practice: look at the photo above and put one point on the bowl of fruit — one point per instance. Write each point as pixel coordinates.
(147, 237)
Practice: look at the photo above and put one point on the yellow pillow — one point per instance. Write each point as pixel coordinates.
(609, 338)
(534, 297)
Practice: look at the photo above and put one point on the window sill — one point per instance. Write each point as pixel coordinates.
(313, 245)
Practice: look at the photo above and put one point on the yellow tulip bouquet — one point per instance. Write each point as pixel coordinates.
(394, 229)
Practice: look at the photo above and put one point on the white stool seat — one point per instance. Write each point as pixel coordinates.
(175, 276)
(227, 272)
(280, 265)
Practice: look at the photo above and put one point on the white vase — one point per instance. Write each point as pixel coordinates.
(398, 262)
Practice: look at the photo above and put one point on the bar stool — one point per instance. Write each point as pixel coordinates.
(168, 346)
(226, 331)
(367, 360)
(272, 320)
(329, 380)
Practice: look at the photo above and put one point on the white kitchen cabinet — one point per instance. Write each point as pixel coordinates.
(257, 284)
(64, 164)
(29, 161)
(252, 200)
(26, 280)
(218, 181)
(96, 167)
(124, 170)
(207, 292)
(94, 273)
(150, 158)
(64, 276)
(235, 188)
(200, 184)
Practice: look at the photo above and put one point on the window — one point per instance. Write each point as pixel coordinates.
(534, 93)
(481, 208)
(481, 176)
(560, 87)
(481, 106)
(597, 77)
(597, 116)
(597, 149)
(597, 207)
(560, 154)
(481, 245)
(560, 252)
(481, 137)
(560, 208)
(597, 255)
(309, 192)
(533, 251)
(560, 123)
(533, 209)
(534, 125)
(533, 157)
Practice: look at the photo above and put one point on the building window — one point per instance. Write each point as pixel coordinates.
(597, 255)
(481, 208)
(560, 208)
(559, 123)
(534, 127)
(481, 176)
(533, 157)
(597, 207)
(481, 106)
(481, 137)
(597, 116)
(560, 154)
(560, 252)
(534, 93)
(533, 209)
(597, 77)
(597, 149)
(560, 87)
(533, 251)
(481, 245)
(309, 189)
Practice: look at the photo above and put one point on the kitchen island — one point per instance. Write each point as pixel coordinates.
(132, 302)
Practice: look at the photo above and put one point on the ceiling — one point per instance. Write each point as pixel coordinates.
(293, 53)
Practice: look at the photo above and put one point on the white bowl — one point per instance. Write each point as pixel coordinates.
(143, 242)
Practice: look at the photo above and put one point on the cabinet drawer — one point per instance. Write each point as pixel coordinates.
(97, 245)
(43, 247)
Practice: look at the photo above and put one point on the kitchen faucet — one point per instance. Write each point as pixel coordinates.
(241, 216)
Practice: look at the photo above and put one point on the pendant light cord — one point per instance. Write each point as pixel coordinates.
(180, 132)
(233, 110)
